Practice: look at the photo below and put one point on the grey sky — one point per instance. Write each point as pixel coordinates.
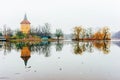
(63, 14)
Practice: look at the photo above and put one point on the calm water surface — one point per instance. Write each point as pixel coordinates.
(99, 60)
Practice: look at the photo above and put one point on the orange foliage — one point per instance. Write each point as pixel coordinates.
(25, 51)
(101, 45)
(102, 34)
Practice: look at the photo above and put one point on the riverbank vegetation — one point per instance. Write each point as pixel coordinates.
(43, 33)
(81, 33)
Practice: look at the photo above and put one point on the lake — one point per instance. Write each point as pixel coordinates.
(64, 60)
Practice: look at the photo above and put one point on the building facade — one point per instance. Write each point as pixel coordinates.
(25, 25)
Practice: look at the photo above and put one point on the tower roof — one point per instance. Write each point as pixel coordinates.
(25, 17)
(25, 21)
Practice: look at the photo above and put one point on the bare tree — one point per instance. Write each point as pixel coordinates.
(4, 30)
(58, 33)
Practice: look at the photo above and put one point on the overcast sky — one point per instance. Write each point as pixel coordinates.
(63, 14)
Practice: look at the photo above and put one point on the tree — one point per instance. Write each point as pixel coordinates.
(89, 33)
(83, 33)
(98, 35)
(4, 30)
(58, 33)
(102, 34)
(32, 31)
(46, 30)
(7, 32)
(20, 35)
(106, 33)
(0, 34)
(42, 31)
(77, 31)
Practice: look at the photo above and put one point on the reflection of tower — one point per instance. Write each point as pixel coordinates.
(25, 25)
(25, 54)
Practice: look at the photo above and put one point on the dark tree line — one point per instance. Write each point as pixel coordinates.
(42, 31)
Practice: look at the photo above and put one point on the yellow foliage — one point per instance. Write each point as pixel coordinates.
(77, 31)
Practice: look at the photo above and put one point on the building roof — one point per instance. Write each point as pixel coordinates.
(25, 21)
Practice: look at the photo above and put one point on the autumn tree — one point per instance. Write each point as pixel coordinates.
(106, 33)
(77, 31)
(102, 34)
(98, 35)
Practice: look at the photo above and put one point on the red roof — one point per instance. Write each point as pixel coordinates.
(25, 22)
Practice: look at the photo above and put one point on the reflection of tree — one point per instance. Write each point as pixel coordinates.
(7, 47)
(102, 46)
(43, 47)
(89, 46)
(59, 46)
(81, 47)
(20, 45)
(37, 47)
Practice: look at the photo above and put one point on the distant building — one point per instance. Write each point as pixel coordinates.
(25, 25)
(25, 54)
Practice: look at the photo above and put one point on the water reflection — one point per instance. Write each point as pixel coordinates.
(81, 47)
(25, 54)
(6, 47)
(117, 43)
(59, 46)
(45, 47)
(25, 59)
(103, 46)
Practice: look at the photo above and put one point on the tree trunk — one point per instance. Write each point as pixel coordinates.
(104, 36)
(78, 37)
(58, 39)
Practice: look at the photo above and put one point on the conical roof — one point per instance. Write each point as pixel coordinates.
(25, 21)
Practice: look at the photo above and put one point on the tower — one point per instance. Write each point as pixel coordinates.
(25, 25)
